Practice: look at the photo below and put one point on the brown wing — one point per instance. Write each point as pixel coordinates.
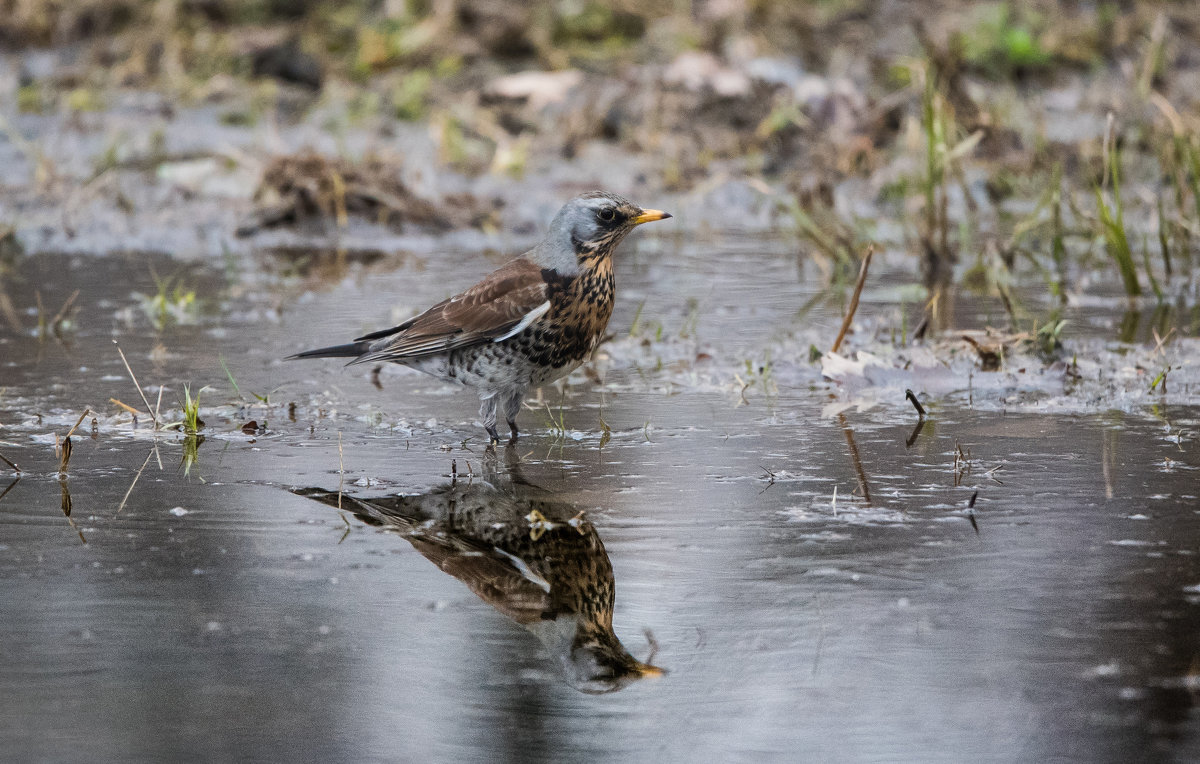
(486, 311)
(491, 577)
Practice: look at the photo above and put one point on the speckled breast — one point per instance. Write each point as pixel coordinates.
(551, 347)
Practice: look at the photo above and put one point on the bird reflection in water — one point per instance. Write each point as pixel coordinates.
(535, 559)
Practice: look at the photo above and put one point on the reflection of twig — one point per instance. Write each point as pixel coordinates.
(855, 459)
(916, 433)
(66, 507)
(1105, 456)
(341, 470)
(820, 635)
(653, 646)
(858, 287)
(770, 477)
(971, 512)
(12, 464)
(962, 463)
(10, 487)
(135, 479)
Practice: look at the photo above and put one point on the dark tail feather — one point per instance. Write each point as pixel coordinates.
(350, 350)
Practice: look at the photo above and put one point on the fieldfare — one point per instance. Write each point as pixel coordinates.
(530, 322)
(527, 554)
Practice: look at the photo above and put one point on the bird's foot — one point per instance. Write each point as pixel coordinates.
(578, 522)
(512, 441)
(538, 524)
(493, 436)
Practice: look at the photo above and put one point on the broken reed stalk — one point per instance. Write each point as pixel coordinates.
(78, 422)
(153, 415)
(125, 406)
(858, 287)
(64, 449)
(66, 456)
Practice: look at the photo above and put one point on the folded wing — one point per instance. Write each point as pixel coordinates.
(501, 305)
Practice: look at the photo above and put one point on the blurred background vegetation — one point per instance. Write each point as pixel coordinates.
(1030, 132)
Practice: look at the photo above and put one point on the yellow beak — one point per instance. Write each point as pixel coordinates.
(649, 216)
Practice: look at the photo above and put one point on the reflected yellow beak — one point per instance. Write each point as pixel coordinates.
(645, 669)
(649, 216)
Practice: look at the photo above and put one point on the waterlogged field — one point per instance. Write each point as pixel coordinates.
(802, 567)
(934, 503)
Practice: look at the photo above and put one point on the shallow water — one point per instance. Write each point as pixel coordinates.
(815, 583)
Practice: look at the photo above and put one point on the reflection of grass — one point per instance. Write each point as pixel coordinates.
(172, 302)
(191, 453)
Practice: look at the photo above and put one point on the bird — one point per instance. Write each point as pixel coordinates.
(532, 321)
(527, 554)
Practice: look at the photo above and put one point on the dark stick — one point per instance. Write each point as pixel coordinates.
(912, 397)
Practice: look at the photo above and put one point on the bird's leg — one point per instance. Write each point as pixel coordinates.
(512, 406)
(487, 412)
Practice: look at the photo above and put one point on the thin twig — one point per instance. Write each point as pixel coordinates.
(62, 312)
(126, 406)
(136, 383)
(71, 431)
(858, 287)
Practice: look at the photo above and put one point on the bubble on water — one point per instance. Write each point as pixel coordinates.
(179, 511)
(1103, 670)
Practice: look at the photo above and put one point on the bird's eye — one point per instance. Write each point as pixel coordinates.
(607, 214)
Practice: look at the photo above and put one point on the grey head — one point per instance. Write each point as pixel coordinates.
(589, 226)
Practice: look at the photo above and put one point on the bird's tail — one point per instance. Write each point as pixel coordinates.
(349, 350)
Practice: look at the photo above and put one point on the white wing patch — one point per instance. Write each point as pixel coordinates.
(529, 318)
(526, 572)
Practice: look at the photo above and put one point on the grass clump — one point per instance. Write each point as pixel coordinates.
(191, 423)
(1112, 225)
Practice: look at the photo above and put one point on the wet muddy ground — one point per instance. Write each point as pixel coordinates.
(808, 570)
